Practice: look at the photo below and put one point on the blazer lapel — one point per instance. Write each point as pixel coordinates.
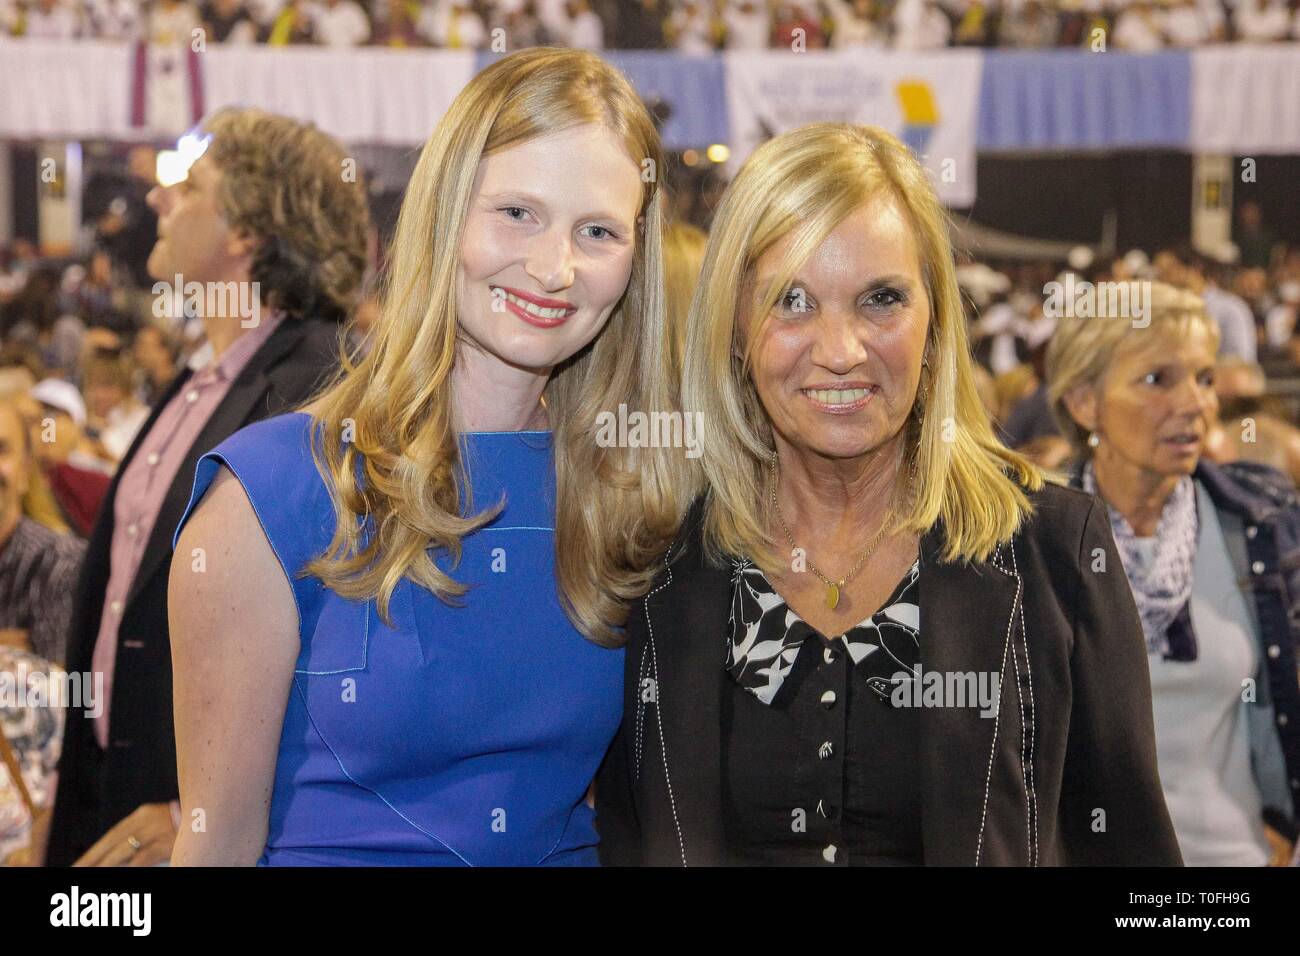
(966, 614)
(686, 649)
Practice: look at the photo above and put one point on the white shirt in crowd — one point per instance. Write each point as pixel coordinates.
(1186, 25)
(59, 22)
(175, 25)
(920, 25)
(264, 11)
(1262, 21)
(1139, 29)
(748, 23)
(850, 30)
(690, 24)
(342, 23)
(114, 19)
(451, 23)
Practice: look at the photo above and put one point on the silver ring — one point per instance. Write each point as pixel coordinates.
(134, 843)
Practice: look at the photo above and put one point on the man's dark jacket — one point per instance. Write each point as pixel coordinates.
(97, 788)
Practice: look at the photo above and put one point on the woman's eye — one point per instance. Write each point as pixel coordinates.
(607, 233)
(1206, 379)
(886, 298)
(795, 301)
(508, 210)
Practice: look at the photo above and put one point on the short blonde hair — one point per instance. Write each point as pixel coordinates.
(1084, 347)
(802, 184)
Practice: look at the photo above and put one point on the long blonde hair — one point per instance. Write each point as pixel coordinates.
(616, 508)
(802, 184)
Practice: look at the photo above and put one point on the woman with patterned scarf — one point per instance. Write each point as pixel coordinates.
(1212, 553)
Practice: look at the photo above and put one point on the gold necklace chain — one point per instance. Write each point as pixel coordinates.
(833, 588)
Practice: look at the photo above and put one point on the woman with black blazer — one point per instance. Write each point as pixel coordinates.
(880, 638)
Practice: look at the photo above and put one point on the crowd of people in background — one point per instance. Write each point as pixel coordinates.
(687, 26)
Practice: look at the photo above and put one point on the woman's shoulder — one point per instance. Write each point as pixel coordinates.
(1059, 521)
(273, 463)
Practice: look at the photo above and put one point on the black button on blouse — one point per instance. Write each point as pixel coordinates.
(819, 766)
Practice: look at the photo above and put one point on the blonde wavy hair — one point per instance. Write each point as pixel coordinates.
(802, 184)
(1084, 347)
(616, 508)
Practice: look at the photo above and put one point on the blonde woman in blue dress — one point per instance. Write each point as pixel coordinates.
(395, 611)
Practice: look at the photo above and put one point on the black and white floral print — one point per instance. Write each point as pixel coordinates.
(765, 634)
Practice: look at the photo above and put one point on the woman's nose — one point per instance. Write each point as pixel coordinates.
(838, 345)
(550, 261)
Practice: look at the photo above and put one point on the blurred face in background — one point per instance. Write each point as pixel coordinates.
(548, 246)
(837, 365)
(194, 240)
(56, 435)
(103, 394)
(13, 464)
(151, 354)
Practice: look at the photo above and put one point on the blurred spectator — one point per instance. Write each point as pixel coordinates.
(113, 412)
(683, 256)
(1139, 28)
(1029, 26)
(396, 27)
(747, 23)
(1186, 24)
(1255, 241)
(172, 22)
(640, 24)
(49, 20)
(340, 23)
(155, 351)
(519, 19)
(226, 21)
(1229, 312)
(974, 24)
(1259, 21)
(920, 25)
(78, 477)
(794, 21)
(124, 225)
(453, 24)
(857, 23)
(691, 28)
(583, 29)
(114, 19)
(38, 568)
(292, 25)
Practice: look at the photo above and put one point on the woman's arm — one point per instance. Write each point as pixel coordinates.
(234, 636)
(1112, 805)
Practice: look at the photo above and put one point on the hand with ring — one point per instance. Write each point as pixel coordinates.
(144, 838)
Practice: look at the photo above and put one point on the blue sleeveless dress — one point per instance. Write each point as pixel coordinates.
(460, 736)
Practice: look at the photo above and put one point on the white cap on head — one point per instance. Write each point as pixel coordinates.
(62, 395)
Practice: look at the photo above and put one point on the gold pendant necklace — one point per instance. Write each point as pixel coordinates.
(833, 588)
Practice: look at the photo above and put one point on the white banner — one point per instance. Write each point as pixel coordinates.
(369, 95)
(65, 89)
(1246, 99)
(928, 100)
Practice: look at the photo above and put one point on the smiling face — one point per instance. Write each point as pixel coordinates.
(838, 363)
(194, 239)
(548, 246)
(1155, 405)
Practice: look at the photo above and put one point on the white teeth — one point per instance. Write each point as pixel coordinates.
(844, 396)
(536, 310)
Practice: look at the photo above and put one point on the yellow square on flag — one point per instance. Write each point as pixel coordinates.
(917, 101)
